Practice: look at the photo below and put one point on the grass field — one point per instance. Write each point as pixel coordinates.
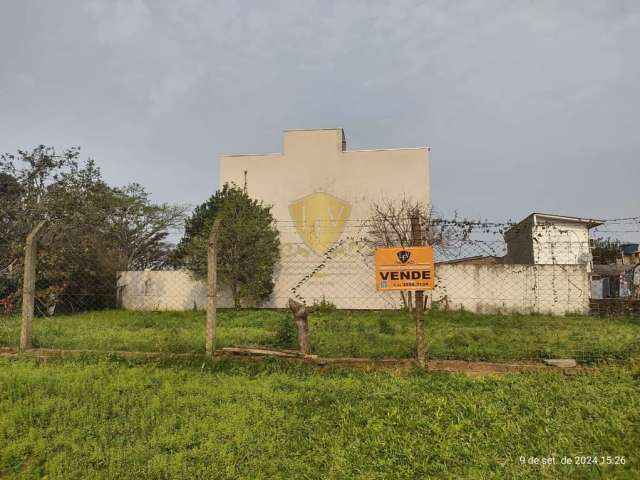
(455, 335)
(95, 418)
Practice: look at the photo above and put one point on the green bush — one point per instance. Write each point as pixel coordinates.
(324, 306)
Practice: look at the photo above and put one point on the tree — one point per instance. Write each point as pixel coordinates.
(92, 230)
(248, 244)
(605, 250)
(139, 228)
(390, 226)
(9, 190)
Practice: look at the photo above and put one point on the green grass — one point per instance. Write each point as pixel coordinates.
(105, 419)
(455, 335)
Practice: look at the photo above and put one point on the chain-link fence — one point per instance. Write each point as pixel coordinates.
(502, 292)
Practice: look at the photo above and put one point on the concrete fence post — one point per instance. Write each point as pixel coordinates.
(212, 278)
(29, 285)
(421, 347)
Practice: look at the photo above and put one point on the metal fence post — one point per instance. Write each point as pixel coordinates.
(212, 275)
(421, 348)
(29, 285)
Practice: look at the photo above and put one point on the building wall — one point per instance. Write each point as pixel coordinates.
(520, 244)
(631, 258)
(313, 161)
(161, 290)
(552, 289)
(546, 243)
(321, 193)
(561, 243)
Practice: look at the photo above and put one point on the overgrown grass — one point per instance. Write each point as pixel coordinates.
(105, 419)
(455, 335)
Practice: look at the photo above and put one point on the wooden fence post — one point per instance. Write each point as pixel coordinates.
(300, 317)
(29, 285)
(212, 278)
(421, 347)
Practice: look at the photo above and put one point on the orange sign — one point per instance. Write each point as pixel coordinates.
(409, 268)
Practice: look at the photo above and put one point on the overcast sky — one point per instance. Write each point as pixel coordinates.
(527, 105)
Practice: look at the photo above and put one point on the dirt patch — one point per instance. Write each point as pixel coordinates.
(472, 369)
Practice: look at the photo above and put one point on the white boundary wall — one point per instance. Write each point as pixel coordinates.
(161, 290)
(552, 289)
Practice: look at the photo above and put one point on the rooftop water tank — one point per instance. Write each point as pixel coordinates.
(630, 248)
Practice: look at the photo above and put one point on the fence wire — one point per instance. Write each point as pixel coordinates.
(502, 292)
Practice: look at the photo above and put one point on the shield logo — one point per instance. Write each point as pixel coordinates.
(403, 256)
(319, 219)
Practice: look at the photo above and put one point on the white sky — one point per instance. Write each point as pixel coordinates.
(528, 106)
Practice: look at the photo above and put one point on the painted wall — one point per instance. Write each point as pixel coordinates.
(314, 161)
(561, 243)
(548, 243)
(321, 193)
(553, 289)
(519, 242)
(161, 290)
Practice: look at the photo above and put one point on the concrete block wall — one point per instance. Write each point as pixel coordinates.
(549, 289)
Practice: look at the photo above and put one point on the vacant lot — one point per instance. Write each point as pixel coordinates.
(102, 419)
(455, 335)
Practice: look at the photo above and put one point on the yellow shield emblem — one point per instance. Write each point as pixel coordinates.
(319, 219)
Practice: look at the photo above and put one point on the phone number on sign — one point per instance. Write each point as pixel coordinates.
(574, 460)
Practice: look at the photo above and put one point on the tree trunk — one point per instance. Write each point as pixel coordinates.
(29, 285)
(300, 314)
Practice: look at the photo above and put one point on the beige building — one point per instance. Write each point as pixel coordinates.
(321, 194)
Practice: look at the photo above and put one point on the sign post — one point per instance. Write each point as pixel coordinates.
(410, 268)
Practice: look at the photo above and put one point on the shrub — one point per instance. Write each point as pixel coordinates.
(324, 306)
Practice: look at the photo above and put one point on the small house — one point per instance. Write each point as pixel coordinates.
(546, 239)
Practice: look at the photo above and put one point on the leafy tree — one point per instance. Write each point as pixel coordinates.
(139, 228)
(605, 250)
(248, 245)
(93, 230)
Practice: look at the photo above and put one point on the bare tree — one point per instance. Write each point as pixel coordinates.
(390, 226)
